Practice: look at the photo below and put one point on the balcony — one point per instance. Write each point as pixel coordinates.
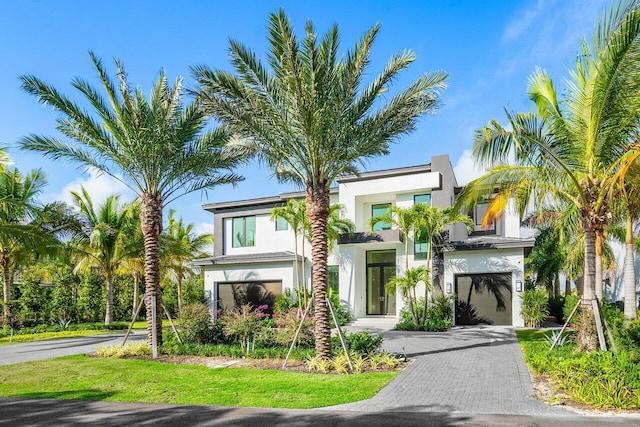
(383, 236)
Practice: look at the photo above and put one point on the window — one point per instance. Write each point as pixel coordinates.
(332, 278)
(478, 214)
(281, 224)
(422, 198)
(379, 210)
(420, 248)
(244, 231)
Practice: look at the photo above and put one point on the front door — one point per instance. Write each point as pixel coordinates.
(381, 267)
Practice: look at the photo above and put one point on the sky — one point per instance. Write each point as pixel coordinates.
(489, 48)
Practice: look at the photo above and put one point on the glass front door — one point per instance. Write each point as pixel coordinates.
(381, 267)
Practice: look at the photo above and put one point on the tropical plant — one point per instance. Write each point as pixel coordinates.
(567, 152)
(182, 245)
(103, 243)
(429, 227)
(22, 231)
(407, 284)
(534, 307)
(294, 212)
(158, 147)
(309, 119)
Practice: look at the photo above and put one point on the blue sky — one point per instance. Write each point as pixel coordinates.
(489, 48)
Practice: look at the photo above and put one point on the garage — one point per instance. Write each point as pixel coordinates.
(483, 299)
(233, 295)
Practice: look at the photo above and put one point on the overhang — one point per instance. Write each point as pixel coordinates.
(248, 259)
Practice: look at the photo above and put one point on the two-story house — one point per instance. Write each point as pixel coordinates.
(254, 257)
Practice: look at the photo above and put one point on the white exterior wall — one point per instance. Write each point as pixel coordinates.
(488, 261)
(267, 238)
(511, 220)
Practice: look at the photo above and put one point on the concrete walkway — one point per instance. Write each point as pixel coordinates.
(476, 370)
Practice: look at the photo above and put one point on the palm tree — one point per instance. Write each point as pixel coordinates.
(404, 219)
(310, 120)
(407, 284)
(336, 225)
(567, 152)
(158, 147)
(429, 227)
(103, 244)
(22, 231)
(182, 245)
(294, 212)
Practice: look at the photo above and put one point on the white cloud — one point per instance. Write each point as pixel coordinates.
(205, 228)
(466, 168)
(98, 185)
(521, 23)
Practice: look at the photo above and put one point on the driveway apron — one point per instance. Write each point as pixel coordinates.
(467, 369)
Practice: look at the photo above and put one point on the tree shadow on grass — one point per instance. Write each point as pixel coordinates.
(21, 412)
(88, 394)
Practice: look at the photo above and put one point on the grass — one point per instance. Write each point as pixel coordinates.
(42, 336)
(129, 380)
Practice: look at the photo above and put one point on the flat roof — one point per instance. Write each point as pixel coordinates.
(283, 197)
(248, 258)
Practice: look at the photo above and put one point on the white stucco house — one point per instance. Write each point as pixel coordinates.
(254, 255)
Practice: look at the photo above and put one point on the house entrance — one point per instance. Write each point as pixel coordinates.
(381, 267)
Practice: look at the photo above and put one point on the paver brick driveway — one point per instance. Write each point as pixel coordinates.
(476, 369)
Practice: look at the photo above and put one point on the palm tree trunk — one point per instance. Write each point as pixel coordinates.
(304, 270)
(580, 285)
(6, 292)
(318, 211)
(136, 285)
(598, 267)
(556, 285)
(589, 290)
(151, 224)
(108, 316)
(296, 267)
(630, 310)
(179, 282)
(426, 285)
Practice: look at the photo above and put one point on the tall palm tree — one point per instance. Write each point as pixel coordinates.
(22, 234)
(158, 147)
(104, 242)
(404, 219)
(308, 117)
(182, 245)
(568, 150)
(429, 227)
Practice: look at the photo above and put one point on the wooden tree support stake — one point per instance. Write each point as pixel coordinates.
(295, 336)
(596, 315)
(133, 320)
(565, 325)
(342, 341)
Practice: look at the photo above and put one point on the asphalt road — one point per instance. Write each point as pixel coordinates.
(27, 352)
(50, 412)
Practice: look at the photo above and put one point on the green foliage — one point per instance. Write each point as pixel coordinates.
(437, 318)
(570, 302)
(283, 302)
(359, 362)
(599, 379)
(196, 326)
(556, 308)
(342, 312)
(359, 342)
(534, 307)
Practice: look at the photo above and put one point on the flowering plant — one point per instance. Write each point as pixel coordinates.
(244, 323)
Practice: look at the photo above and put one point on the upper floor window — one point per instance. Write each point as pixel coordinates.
(477, 214)
(422, 198)
(281, 224)
(244, 231)
(378, 210)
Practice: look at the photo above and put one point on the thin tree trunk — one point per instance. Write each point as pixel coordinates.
(630, 310)
(598, 267)
(136, 285)
(108, 316)
(556, 287)
(296, 267)
(318, 212)
(426, 285)
(589, 291)
(580, 285)
(151, 224)
(304, 270)
(179, 282)
(6, 289)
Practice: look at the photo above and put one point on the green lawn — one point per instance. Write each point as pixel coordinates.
(129, 380)
(42, 336)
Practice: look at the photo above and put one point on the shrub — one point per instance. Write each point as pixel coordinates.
(359, 342)
(556, 308)
(196, 326)
(342, 312)
(438, 317)
(243, 324)
(286, 326)
(570, 302)
(129, 350)
(534, 307)
(283, 302)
